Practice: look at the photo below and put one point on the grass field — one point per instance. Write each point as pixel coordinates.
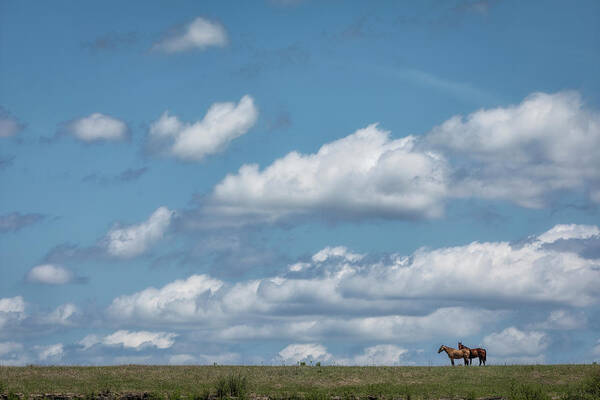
(175, 382)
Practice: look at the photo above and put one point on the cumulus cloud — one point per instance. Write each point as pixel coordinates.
(10, 347)
(180, 300)
(51, 353)
(134, 340)
(50, 274)
(514, 342)
(14, 318)
(97, 127)
(9, 125)
(338, 251)
(563, 320)
(11, 309)
(489, 271)
(62, 315)
(340, 294)
(366, 174)
(133, 240)
(222, 123)
(13, 222)
(182, 359)
(526, 152)
(304, 352)
(198, 34)
(569, 231)
(383, 354)
(443, 322)
(13, 354)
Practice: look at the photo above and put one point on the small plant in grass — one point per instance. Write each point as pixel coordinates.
(589, 389)
(316, 396)
(204, 395)
(237, 385)
(12, 396)
(406, 394)
(527, 392)
(2, 387)
(233, 385)
(176, 395)
(470, 396)
(222, 388)
(153, 396)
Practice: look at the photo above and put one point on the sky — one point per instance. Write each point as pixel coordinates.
(278, 181)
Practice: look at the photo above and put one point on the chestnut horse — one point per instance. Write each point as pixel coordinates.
(478, 352)
(454, 354)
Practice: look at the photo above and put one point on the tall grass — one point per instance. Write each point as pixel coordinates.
(232, 385)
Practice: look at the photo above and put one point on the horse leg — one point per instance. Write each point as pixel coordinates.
(452, 361)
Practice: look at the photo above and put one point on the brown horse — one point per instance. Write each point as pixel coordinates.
(454, 354)
(478, 352)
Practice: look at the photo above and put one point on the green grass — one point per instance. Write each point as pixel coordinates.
(539, 382)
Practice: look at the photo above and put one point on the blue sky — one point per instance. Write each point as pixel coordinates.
(279, 181)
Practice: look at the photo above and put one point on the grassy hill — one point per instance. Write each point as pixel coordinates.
(293, 382)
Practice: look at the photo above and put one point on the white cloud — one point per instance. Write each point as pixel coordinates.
(50, 274)
(182, 359)
(98, 127)
(133, 240)
(326, 325)
(563, 320)
(524, 153)
(12, 305)
(338, 251)
(10, 347)
(222, 123)
(494, 270)
(569, 231)
(366, 174)
(9, 125)
(304, 352)
(527, 154)
(53, 353)
(63, 314)
(297, 267)
(382, 354)
(222, 358)
(180, 300)
(514, 342)
(12, 309)
(135, 340)
(404, 297)
(198, 34)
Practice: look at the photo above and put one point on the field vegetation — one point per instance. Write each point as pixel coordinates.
(568, 382)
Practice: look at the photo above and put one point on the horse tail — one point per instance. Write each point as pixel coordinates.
(484, 354)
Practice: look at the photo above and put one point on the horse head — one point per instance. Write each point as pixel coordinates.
(441, 348)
